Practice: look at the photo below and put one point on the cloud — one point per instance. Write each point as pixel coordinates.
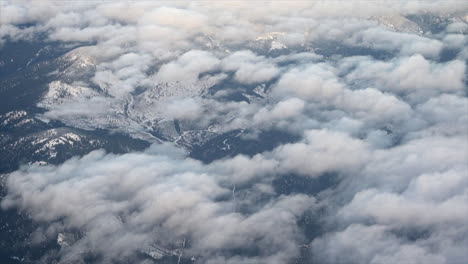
(250, 68)
(415, 76)
(125, 203)
(175, 17)
(381, 247)
(323, 151)
(188, 67)
(395, 203)
(187, 108)
(314, 82)
(404, 43)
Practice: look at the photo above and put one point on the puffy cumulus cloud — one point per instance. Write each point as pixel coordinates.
(176, 18)
(407, 227)
(313, 82)
(76, 110)
(380, 247)
(121, 76)
(323, 151)
(281, 115)
(397, 166)
(404, 43)
(250, 68)
(288, 108)
(443, 115)
(247, 168)
(123, 12)
(183, 109)
(18, 13)
(91, 34)
(391, 33)
(410, 201)
(370, 103)
(418, 73)
(187, 67)
(455, 41)
(126, 203)
(402, 211)
(414, 77)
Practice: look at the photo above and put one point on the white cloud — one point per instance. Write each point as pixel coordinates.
(313, 83)
(124, 203)
(188, 67)
(323, 151)
(250, 68)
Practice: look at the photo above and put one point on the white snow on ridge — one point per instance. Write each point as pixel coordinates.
(60, 92)
(271, 40)
(61, 240)
(13, 116)
(276, 45)
(270, 36)
(136, 115)
(39, 163)
(80, 58)
(50, 145)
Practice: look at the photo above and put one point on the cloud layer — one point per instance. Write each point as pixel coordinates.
(369, 90)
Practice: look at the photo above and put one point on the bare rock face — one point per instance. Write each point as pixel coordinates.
(400, 23)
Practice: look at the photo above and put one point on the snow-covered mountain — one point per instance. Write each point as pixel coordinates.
(143, 113)
(26, 139)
